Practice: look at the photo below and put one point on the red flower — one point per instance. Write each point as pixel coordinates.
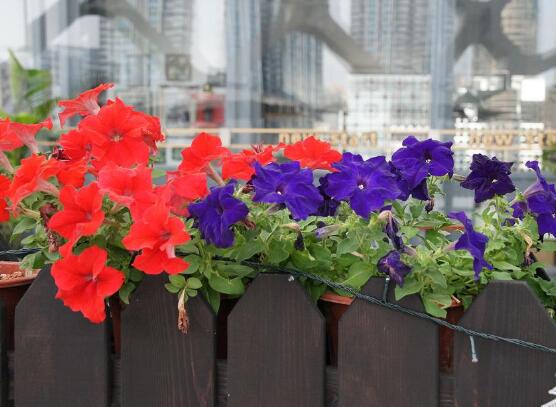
(32, 177)
(72, 173)
(117, 135)
(83, 105)
(181, 190)
(157, 234)
(124, 185)
(14, 135)
(152, 132)
(84, 281)
(313, 153)
(77, 145)
(240, 166)
(82, 214)
(204, 149)
(4, 185)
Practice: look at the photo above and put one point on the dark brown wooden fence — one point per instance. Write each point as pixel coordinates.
(276, 353)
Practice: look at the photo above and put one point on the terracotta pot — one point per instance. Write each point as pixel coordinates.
(13, 283)
(333, 307)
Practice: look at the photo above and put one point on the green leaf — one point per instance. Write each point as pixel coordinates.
(237, 270)
(358, 274)
(279, 251)
(347, 245)
(410, 286)
(172, 288)
(437, 277)
(23, 225)
(125, 291)
(248, 250)
(409, 232)
(435, 304)
(223, 285)
(501, 275)
(194, 283)
(212, 297)
(503, 265)
(177, 280)
(194, 262)
(135, 275)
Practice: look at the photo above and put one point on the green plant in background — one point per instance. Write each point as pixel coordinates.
(31, 103)
(30, 90)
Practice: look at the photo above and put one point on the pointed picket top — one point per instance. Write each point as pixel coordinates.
(61, 358)
(276, 346)
(161, 366)
(502, 374)
(386, 358)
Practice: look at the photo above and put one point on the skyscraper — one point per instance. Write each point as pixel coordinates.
(398, 33)
(273, 80)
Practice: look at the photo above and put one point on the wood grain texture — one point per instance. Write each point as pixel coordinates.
(276, 347)
(386, 358)
(160, 366)
(4, 372)
(505, 375)
(61, 359)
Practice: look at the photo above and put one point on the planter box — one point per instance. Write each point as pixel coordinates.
(277, 352)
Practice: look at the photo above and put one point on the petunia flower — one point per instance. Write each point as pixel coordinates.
(391, 229)
(541, 200)
(14, 135)
(157, 234)
(125, 185)
(472, 241)
(32, 176)
(488, 177)
(312, 153)
(419, 159)
(289, 185)
(4, 185)
(83, 105)
(116, 133)
(84, 281)
(366, 185)
(420, 192)
(329, 205)
(240, 166)
(217, 213)
(204, 149)
(77, 145)
(82, 214)
(393, 265)
(181, 190)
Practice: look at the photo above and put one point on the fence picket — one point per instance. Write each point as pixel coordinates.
(4, 373)
(504, 374)
(276, 347)
(61, 359)
(386, 358)
(160, 366)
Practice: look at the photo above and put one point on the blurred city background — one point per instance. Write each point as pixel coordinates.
(360, 73)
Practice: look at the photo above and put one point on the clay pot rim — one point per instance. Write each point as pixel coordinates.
(18, 281)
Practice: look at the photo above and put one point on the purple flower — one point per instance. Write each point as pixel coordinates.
(419, 159)
(364, 184)
(420, 192)
(472, 241)
(519, 209)
(287, 184)
(541, 200)
(217, 213)
(391, 229)
(392, 265)
(329, 205)
(488, 177)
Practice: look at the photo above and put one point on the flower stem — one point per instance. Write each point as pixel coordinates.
(214, 175)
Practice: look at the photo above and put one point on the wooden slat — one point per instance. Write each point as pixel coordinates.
(4, 372)
(160, 366)
(61, 359)
(386, 358)
(276, 347)
(505, 375)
